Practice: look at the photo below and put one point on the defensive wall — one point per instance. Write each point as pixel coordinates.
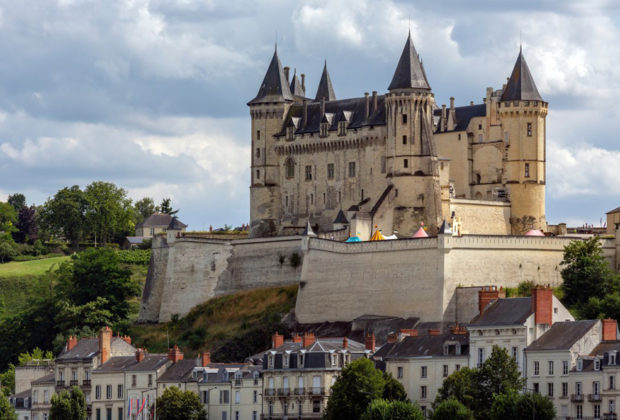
(341, 281)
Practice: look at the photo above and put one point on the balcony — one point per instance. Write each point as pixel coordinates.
(300, 391)
(60, 383)
(284, 392)
(594, 397)
(610, 416)
(238, 381)
(576, 397)
(316, 391)
(270, 392)
(86, 383)
(73, 382)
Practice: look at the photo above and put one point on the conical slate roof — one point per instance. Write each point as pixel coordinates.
(296, 88)
(341, 218)
(275, 87)
(409, 72)
(325, 90)
(521, 86)
(308, 231)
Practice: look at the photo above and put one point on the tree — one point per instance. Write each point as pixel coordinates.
(166, 207)
(26, 225)
(452, 409)
(7, 381)
(461, 386)
(17, 201)
(108, 210)
(586, 273)
(381, 409)
(514, 406)
(358, 384)
(8, 218)
(84, 319)
(68, 406)
(65, 215)
(392, 389)
(177, 405)
(7, 412)
(144, 208)
(7, 251)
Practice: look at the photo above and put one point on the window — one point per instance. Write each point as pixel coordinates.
(46, 397)
(270, 409)
(301, 360)
(529, 129)
(550, 389)
(550, 363)
(290, 133)
(108, 413)
(536, 368)
(224, 414)
(457, 368)
(565, 389)
(342, 128)
(596, 388)
(612, 382)
(74, 374)
(290, 168)
(565, 367)
(308, 173)
(597, 364)
(119, 392)
(423, 372)
(479, 126)
(612, 406)
(479, 138)
(236, 415)
(406, 163)
(35, 397)
(120, 413)
(98, 392)
(404, 118)
(578, 388)
(351, 169)
(423, 391)
(205, 397)
(480, 357)
(579, 411)
(316, 406)
(399, 374)
(612, 358)
(98, 414)
(257, 134)
(108, 392)
(258, 174)
(330, 171)
(324, 127)
(258, 152)
(254, 415)
(515, 353)
(579, 365)
(237, 397)
(255, 397)
(445, 371)
(285, 359)
(133, 380)
(527, 170)
(536, 387)
(224, 397)
(404, 139)
(597, 411)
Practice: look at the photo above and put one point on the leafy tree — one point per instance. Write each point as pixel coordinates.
(358, 384)
(7, 381)
(166, 207)
(7, 251)
(586, 273)
(514, 406)
(34, 355)
(84, 319)
(177, 405)
(452, 409)
(26, 224)
(600, 308)
(461, 385)
(8, 218)
(393, 390)
(7, 412)
(68, 406)
(144, 208)
(65, 215)
(108, 210)
(17, 201)
(381, 409)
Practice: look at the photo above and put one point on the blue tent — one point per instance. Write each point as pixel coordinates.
(354, 239)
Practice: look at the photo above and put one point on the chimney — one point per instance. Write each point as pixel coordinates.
(286, 71)
(71, 342)
(471, 103)
(458, 329)
(139, 355)
(367, 104)
(409, 332)
(105, 343)
(205, 358)
(174, 354)
(374, 101)
(610, 329)
(392, 338)
(305, 123)
(322, 106)
(444, 117)
(308, 339)
(486, 295)
(452, 102)
(371, 342)
(345, 343)
(296, 338)
(303, 83)
(434, 332)
(126, 339)
(277, 340)
(542, 305)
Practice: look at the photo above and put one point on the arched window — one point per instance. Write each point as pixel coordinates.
(290, 168)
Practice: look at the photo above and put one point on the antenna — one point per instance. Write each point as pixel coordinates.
(520, 40)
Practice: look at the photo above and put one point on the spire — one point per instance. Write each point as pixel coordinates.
(275, 87)
(296, 88)
(325, 90)
(409, 73)
(521, 86)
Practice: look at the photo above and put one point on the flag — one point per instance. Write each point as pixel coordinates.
(128, 407)
(142, 407)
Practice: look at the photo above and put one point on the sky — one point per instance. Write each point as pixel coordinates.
(151, 94)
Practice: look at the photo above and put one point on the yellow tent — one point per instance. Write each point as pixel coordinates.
(377, 236)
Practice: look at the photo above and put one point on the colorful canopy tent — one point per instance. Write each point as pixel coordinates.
(420, 234)
(354, 239)
(390, 237)
(377, 236)
(534, 232)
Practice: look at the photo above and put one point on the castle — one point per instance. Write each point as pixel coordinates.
(396, 161)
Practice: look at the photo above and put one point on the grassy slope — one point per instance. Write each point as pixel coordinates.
(29, 268)
(228, 326)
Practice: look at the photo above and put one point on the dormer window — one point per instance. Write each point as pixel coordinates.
(324, 128)
(334, 360)
(612, 358)
(270, 361)
(342, 128)
(301, 360)
(290, 133)
(285, 360)
(597, 364)
(579, 365)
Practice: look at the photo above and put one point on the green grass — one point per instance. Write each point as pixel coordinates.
(29, 268)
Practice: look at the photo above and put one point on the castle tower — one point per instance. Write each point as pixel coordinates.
(523, 115)
(411, 157)
(325, 91)
(267, 110)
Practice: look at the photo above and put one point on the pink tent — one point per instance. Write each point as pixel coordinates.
(534, 232)
(420, 234)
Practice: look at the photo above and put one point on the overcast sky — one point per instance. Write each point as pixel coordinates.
(151, 95)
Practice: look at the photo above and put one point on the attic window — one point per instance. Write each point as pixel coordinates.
(324, 128)
(579, 365)
(342, 128)
(597, 364)
(612, 358)
(290, 133)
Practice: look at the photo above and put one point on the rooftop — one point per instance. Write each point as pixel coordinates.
(506, 311)
(562, 335)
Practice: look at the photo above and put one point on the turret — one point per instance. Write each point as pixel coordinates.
(523, 115)
(411, 156)
(325, 90)
(268, 110)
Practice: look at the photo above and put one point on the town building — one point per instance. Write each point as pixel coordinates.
(42, 391)
(613, 221)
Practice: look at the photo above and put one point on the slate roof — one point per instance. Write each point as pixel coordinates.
(463, 115)
(47, 379)
(341, 218)
(129, 363)
(325, 89)
(157, 219)
(616, 210)
(409, 71)
(510, 311)
(605, 347)
(176, 224)
(521, 85)
(24, 394)
(296, 88)
(275, 87)
(180, 371)
(423, 346)
(135, 240)
(87, 348)
(562, 335)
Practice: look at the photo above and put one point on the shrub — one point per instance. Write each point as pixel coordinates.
(134, 256)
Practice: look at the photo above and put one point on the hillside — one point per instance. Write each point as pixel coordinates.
(231, 327)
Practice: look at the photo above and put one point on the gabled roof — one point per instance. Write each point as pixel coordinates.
(616, 210)
(275, 87)
(157, 219)
(325, 89)
(424, 346)
(509, 311)
(463, 115)
(562, 335)
(521, 85)
(176, 224)
(296, 88)
(47, 379)
(409, 71)
(179, 371)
